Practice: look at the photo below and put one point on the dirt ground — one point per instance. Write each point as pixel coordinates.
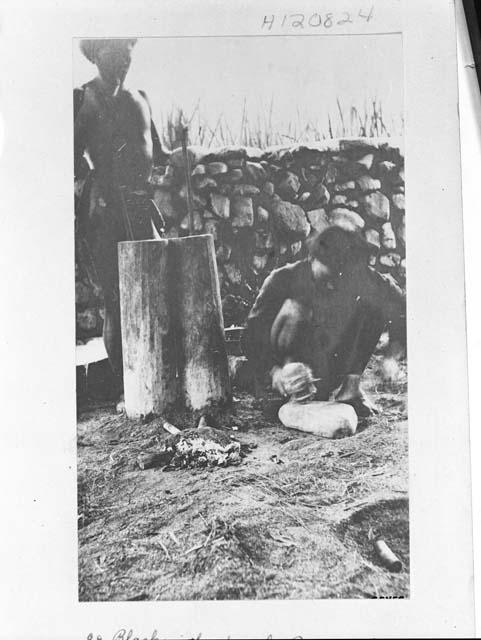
(294, 520)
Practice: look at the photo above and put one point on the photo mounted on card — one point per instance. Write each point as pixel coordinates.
(247, 233)
(241, 315)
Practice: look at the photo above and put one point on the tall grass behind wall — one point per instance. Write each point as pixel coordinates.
(206, 130)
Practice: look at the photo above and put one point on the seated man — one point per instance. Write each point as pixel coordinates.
(326, 312)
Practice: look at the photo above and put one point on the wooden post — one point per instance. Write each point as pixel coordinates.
(202, 358)
(148, 340)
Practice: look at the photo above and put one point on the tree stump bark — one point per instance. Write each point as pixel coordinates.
(202, 358)
(148, 327)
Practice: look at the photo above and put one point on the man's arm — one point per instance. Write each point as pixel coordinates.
(141, 129)
(80, 135)
(159, 156)
(257, 336)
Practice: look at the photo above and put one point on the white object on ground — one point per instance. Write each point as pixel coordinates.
(91, 351)
(325, 419)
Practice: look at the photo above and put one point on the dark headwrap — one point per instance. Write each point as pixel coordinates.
(90, 47)
(337, 247)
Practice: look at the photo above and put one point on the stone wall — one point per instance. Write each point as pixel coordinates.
(261, 205)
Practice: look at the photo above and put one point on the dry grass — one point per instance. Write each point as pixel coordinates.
(206, 130)
(291, 522)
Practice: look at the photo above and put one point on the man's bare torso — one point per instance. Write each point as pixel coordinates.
(116, 133)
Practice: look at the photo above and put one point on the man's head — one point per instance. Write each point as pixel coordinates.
(112, 57)
(339, 250)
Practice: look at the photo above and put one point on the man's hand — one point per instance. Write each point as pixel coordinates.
(278, 380)
(294, 378)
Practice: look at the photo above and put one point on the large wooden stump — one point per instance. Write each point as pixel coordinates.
(202, 359)
(172, 327)
(148, 338)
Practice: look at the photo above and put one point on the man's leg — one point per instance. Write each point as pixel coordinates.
(112, 335)
(104, 235)
(350, 358)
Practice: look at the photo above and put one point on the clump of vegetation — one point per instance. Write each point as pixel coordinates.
(366, 121)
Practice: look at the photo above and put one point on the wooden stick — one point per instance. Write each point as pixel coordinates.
(188, 170)
(387, 557)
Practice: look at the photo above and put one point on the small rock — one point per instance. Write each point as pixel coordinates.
(303, 197)
(205, 183)
(398, 201)
(229, 153)
(234, 175)
(264, 241)
(390, 260)
(223, 253)
(290, 220)
(356, 144)
(338, 199)
(385, 167)
(177, 160)
(388, 239)
(345, 186)
(366, 161)
(198, 222)
(236, 163)
(268, 188)
(289, 186)
(262, 215)
(245, 190)
(346, 219)
(352, 204)
(372, 237)
(366, 184)
(255, 172)
(376, 206)
(318, 219)
(233, 273)
(320, 197)
(259, 262)
(242, 212)
(331, 173)
(199, 170)
(220, 205)
(216, 168)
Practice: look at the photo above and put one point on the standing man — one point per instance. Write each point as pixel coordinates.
(115, 145)
(326, 314)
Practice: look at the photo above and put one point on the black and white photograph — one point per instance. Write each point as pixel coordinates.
(241, 317)
(239, 250)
